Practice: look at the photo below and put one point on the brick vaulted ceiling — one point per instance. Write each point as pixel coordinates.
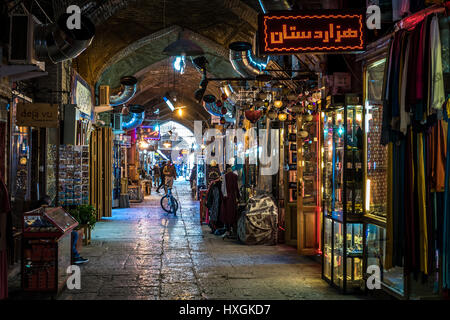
(131, 35)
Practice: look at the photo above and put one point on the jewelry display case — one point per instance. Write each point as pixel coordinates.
(201, 174)
(343, 192)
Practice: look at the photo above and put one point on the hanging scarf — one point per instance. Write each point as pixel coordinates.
(436, 93)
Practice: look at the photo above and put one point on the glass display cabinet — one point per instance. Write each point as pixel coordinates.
(290, 182)
(46, 249)
(309, 183)
(376, 155)
(343, 192)
(201, 174)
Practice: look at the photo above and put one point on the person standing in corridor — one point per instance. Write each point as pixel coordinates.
(162, 181)
(170, 174)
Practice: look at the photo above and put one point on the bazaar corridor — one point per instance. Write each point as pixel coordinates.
(142, 253)
(206, 152)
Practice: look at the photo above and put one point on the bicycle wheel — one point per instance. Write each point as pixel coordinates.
(174, 206)
(165, 204)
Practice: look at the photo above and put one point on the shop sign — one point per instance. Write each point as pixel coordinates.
(317, 31)
(41, 115)
(82, 96)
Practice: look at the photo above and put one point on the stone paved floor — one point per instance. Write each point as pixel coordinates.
(141, 253)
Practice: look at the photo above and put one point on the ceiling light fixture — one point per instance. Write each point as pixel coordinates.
(169, 103)
(179, 64)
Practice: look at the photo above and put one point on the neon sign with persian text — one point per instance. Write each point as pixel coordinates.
(287, 33)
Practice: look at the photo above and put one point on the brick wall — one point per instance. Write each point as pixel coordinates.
(54, 87)
(5, 89)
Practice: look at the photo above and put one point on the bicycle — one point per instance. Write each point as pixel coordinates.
(169, 203)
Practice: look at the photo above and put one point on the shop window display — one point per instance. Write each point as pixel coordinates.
(308, 173)
(376, 162)
(343, 192)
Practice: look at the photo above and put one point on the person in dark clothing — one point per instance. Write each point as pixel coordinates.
(231, 196)
(163, 177)
(214, 204)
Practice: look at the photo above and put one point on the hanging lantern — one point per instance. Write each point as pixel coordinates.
(253, 115)
(272, 114)
(282, 116)
(266, 103)
(278, 103)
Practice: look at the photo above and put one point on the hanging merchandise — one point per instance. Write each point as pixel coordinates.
(414, 128)
(253, 115)
(73, 175)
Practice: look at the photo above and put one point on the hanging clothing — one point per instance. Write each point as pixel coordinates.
(404, 112)
(438, 156)
(229, 204)
(423, 230)
(436, 94)
(446, 214)
(5, 211)
(213, 203)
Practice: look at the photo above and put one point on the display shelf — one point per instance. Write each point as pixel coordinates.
(343, 192)
(73, 175)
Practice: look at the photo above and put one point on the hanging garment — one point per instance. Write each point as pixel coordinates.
(426, 68)
(438, 156)
(446, 214)
(223, 185)
(400, 8)
(5, 208)
(421, 73)
(229, 214)
(387, 110)
(437, 94)
(394, 86)
(404, 113)
(412, 64)
(422, 204)
(213, 203)
(409, 203)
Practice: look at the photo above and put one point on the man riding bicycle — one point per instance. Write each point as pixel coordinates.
(170, 174)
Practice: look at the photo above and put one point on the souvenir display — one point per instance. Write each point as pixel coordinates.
(73, 175)
(46, 249)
